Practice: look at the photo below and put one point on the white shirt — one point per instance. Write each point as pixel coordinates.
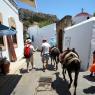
(45, 47)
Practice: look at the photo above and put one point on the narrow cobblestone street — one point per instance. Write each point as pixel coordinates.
(28, 82)
(49, 26)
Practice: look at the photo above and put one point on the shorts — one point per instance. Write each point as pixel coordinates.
(45, 57)
(29, 59)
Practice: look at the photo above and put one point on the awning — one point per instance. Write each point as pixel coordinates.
(5, 30)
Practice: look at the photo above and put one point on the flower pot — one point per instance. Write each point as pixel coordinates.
(6, 66)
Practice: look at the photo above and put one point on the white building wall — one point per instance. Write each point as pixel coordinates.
(19, 50)
(39, 34)
(7, 10)
(79, 37)
(33, 31)
(92, 42)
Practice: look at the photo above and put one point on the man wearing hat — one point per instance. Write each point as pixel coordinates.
(28, 48)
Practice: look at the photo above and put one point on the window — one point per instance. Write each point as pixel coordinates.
(1, 37)
(67, 41)
(14, 37)
(32, 38)
(1, 41)
(1, 20)
(13, 25)
(88, 17)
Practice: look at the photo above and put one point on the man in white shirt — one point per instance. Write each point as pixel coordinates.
(45, 53)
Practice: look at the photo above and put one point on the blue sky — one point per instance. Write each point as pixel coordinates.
(60, 8)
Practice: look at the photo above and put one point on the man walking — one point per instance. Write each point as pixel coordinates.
(45, 53)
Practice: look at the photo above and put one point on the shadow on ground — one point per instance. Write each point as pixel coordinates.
(60, 85)
(89, 78)
(89, 90)
(38, 69)
(8, 83)
(50, 67)
(22, 70)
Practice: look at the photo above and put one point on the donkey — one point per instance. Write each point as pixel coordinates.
(54, 55)
(71, 63)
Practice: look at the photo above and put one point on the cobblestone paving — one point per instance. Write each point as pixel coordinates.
(29, 81)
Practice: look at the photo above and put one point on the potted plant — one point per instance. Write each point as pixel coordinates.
(6, 65)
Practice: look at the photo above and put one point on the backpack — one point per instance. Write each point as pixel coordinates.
(27, 51)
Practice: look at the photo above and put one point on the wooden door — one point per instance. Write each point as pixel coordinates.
(12, 54)
(60, 40)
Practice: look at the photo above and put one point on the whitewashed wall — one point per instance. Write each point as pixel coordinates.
(39, 34)
(79, 37)
(33, 31)
(7, 10)
(92, 42)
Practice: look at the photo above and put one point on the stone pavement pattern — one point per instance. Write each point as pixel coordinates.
(25, 83)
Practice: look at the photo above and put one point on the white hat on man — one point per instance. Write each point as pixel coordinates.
(28, 40)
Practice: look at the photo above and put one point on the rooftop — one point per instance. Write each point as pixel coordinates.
(83, 14)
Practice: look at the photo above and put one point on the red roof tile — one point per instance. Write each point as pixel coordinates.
(83, 14)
